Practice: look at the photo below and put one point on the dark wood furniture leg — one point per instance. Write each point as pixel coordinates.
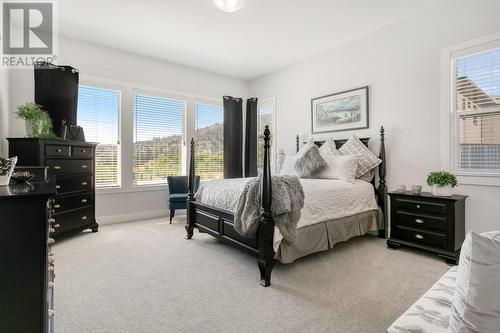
(190, 208)
(172, 214)
(265, 259)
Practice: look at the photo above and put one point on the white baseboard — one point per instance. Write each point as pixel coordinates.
(136, 216)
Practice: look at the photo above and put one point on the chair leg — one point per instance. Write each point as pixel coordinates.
(172, 213)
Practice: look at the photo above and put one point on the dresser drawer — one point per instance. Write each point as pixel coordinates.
(420, 221)
(421, 206)
(421, 237)
(77, 183)
(57, 150)
(70, 202)
(77, 151)
(74, 220)
(65, 167)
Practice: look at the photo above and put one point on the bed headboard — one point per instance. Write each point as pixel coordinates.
(381, 190)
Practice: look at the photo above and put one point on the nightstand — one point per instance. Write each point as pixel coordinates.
(427, 222)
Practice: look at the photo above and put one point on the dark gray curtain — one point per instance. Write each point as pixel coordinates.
(233, 137)
(251, 138)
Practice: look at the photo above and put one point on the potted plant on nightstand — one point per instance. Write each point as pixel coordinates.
(442, 183)
(38, 122)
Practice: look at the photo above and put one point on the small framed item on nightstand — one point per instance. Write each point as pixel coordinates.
(428, 222)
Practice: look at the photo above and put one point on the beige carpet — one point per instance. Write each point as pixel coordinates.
(145, 277)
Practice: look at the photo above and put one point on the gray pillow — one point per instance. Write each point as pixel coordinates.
(476, 303)
(309, 161)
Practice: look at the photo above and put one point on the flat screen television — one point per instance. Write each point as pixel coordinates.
(56, 90)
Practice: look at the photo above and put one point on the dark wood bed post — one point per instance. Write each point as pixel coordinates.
(190, 213)
(382, 189)
(265, 259)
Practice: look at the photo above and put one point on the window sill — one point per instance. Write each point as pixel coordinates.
(478, 179)
(144, 188)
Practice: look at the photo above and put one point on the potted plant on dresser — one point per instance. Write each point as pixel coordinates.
(38, 122)
(442, 183)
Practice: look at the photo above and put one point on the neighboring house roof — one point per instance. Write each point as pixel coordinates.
(471, 91)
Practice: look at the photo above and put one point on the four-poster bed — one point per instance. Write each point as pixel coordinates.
(220, 223)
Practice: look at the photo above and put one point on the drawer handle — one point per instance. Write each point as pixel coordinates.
(57, 206)
(84, 200)
(84, 183)
(84, 218)
(51, 285)
(85, 166)
(51, 220)
(58, 187)
(51, 314)
(418, 206)
(59, 150)
(52, 230)
(55, 226)
(419, 221)
(57, 167)
(419, 236)
(51, 241)
(83, 151)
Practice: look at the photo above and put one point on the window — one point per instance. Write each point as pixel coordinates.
(158, 139)
(98, 114)
(476, 91)
(209, 141)
(265, 116)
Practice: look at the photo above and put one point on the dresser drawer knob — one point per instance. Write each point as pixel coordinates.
(51, 241)
(51, 314)
(51, 285)
(57, 167)
(59, 150)
(83, 151)
(55, 226)
(419, 221)
(52, 230)
(418, 206)
(84, 218)
(58, 187)
(84, 183)
(419, 236)
(84, 166)
(51, 220)
(57, 206)
(84, 200)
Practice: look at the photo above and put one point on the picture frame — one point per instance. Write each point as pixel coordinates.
(342, 111)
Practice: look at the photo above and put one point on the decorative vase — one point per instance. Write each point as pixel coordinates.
(33, 128)
(442, 191)
(4, 180)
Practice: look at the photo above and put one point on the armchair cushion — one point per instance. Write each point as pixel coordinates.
(177, 197)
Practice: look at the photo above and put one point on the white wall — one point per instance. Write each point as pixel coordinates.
(127, 71)
(402, 65)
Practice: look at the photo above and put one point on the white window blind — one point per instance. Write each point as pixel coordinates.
(98, 114)
(477, 106)
(158, 139)
(265, 116)
(210, 141)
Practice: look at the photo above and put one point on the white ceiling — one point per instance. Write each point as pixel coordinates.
(263, 36)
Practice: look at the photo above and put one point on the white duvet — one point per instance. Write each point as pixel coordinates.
(325, 199)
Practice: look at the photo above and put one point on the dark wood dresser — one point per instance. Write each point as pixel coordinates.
(73, 164)
(427, 222)
(27, 279)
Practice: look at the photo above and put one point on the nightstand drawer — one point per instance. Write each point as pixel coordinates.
(420, 221)
(57, 150)
(421, 206)
(65, 167)
(421, 237)
(81, 151)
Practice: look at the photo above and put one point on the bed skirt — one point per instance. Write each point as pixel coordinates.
(323, 236)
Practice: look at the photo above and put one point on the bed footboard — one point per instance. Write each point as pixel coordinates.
(220, 224)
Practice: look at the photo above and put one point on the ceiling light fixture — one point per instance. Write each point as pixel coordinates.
(229, 6)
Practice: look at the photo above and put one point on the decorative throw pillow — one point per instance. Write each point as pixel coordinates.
(309, 160)
(329, 148)
(368, 177)
(367, 159)
(288, 167)
(339, 167)
(476, 303)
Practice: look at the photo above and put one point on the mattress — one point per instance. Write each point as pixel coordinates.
(326, 200)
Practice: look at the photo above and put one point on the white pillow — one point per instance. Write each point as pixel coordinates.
(329, 148)
(476, 304)
(288, 167)
(368, 177)
(367, 159)
(339, 167)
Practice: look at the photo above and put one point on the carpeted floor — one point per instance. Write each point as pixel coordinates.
(145, 277)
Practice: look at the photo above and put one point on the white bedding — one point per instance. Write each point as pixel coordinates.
(325, 199)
